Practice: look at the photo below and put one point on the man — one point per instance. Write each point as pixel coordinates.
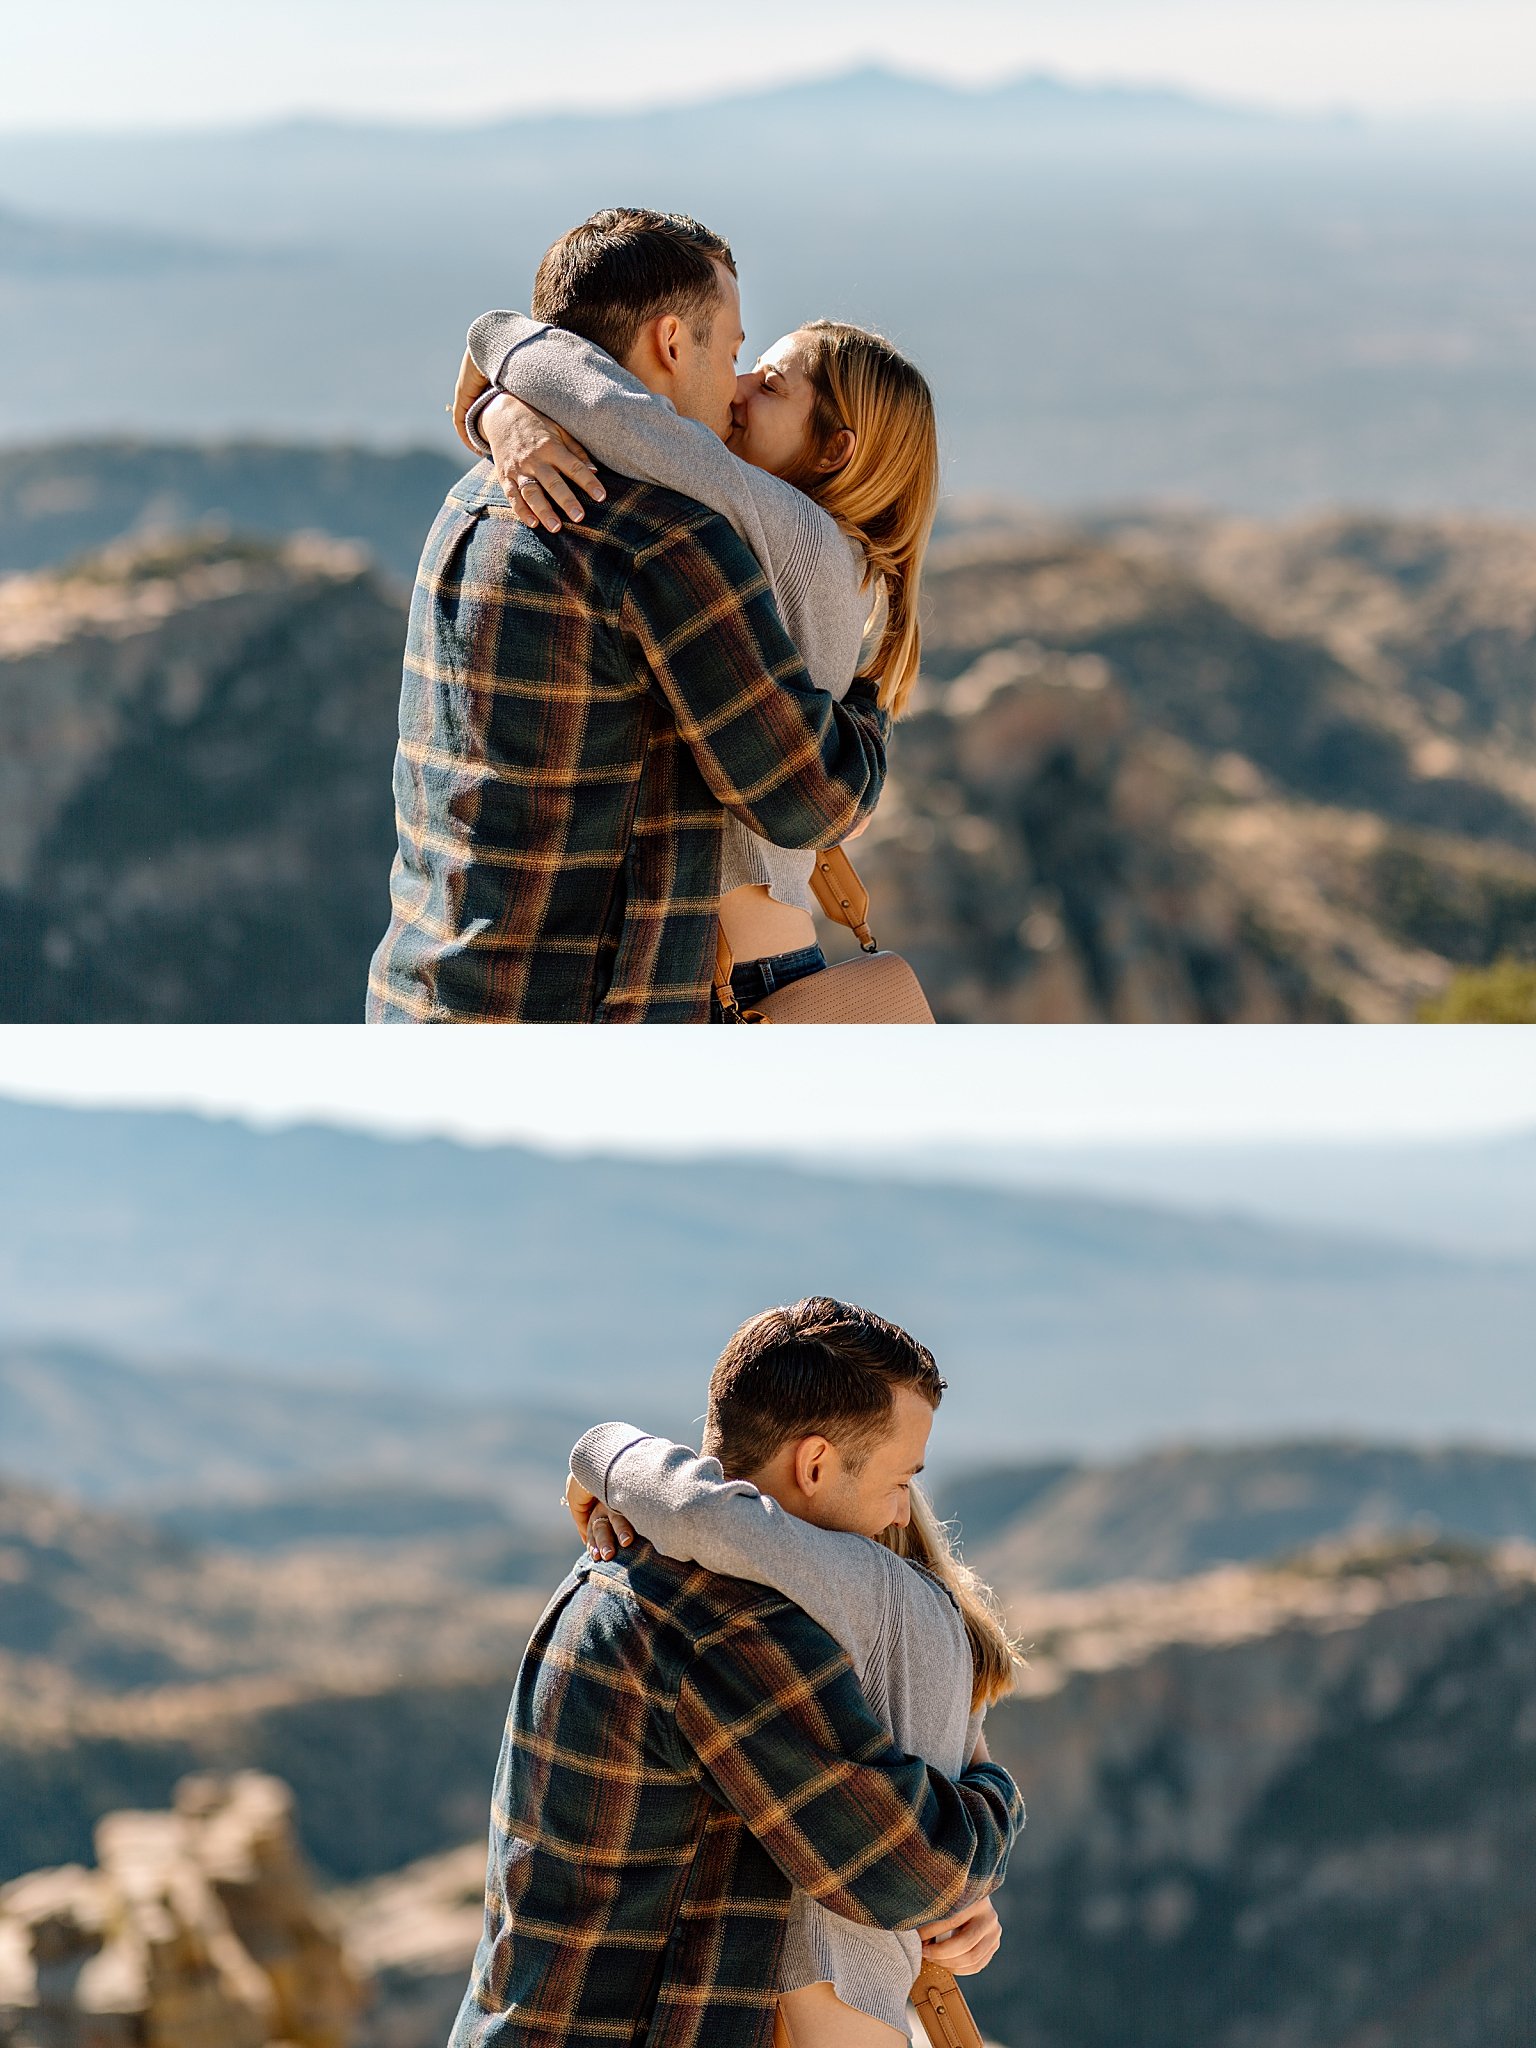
(580, 709)
(683, 1750)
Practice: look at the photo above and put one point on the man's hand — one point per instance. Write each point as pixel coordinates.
(536, 464)
(598, 1527)
(965, 1942)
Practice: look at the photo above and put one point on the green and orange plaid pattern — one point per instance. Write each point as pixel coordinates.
(578, 712)
(680, 1750)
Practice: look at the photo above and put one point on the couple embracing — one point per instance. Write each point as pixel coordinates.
(656, 644)
(744, 1796)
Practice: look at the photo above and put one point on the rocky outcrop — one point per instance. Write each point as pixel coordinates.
(195, 812)
(1203, 771)
(1285, 1808)
(1166, 770)
(198, 1928)
(414, 1934)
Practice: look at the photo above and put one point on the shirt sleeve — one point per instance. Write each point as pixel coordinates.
(791, 762)
(776, 1719)
(638, 433)
(686, 1507)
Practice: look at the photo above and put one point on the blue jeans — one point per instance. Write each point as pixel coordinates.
(751, 980)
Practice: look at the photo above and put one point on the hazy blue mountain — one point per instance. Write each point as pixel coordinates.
(1119, 295)
(984, 1499)
(1189, 1508)
(39, 246)
(512, 1277)
(60, 501)
(264, 1457)
(1471, 1195)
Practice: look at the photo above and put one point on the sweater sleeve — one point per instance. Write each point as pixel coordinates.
(629, 429)
(685, 1506)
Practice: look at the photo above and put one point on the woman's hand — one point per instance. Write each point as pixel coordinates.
(536, 464)
(965, 1942)
(472, 382)
(598, 1527)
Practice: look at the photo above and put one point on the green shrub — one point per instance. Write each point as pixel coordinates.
(1504, 993)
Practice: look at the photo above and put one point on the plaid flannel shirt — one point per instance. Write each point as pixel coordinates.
(681, 1749)
(577, 708)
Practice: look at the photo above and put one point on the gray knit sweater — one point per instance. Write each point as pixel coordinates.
(901, 1630)
(817, 573)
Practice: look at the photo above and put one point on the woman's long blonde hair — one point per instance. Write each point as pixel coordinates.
(995, 1659)
(887, 492)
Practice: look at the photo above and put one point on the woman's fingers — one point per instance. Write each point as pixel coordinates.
(537, 485)
(580, 467)
(556, 487)
(607, 1532)
(525, 489)
(580, 1504)
(560, 459)
(469, 387)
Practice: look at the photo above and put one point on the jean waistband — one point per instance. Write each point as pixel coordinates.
(751, 980)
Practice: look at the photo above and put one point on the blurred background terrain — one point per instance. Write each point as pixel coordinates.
(1227, 712)
(1254, 1475)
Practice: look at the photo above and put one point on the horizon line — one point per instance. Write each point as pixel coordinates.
(1087, 85)
(794, 1153)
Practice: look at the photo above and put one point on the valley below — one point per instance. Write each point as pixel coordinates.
(1161, 768)
(1280, 1802)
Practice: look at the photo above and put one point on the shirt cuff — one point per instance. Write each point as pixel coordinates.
(596, 1454)
(472, 420)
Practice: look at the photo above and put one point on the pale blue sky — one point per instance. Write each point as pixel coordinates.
(99, 63)
(798, 1091)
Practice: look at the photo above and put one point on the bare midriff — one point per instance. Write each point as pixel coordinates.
(817, 2018)
(757, 925)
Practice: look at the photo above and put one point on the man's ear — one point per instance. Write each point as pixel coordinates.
(811, 1471)
(669, 339)
(839, 451)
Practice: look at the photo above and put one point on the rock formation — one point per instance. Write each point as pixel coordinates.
(195, 813)
(198, 1928)
(1210, 771)
(1276, 1808)
(1159, 770)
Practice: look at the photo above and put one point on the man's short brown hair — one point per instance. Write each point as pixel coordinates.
(626, 266)
(817, 1368)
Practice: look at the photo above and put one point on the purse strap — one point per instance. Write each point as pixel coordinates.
(941, 2006)
(843, 898)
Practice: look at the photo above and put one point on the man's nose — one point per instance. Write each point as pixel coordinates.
(747, 381)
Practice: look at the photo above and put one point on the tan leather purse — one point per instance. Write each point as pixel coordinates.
(941, 2006)
(877, 988)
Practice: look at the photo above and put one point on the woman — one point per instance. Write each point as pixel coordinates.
(923, 1637)
(830, 475)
